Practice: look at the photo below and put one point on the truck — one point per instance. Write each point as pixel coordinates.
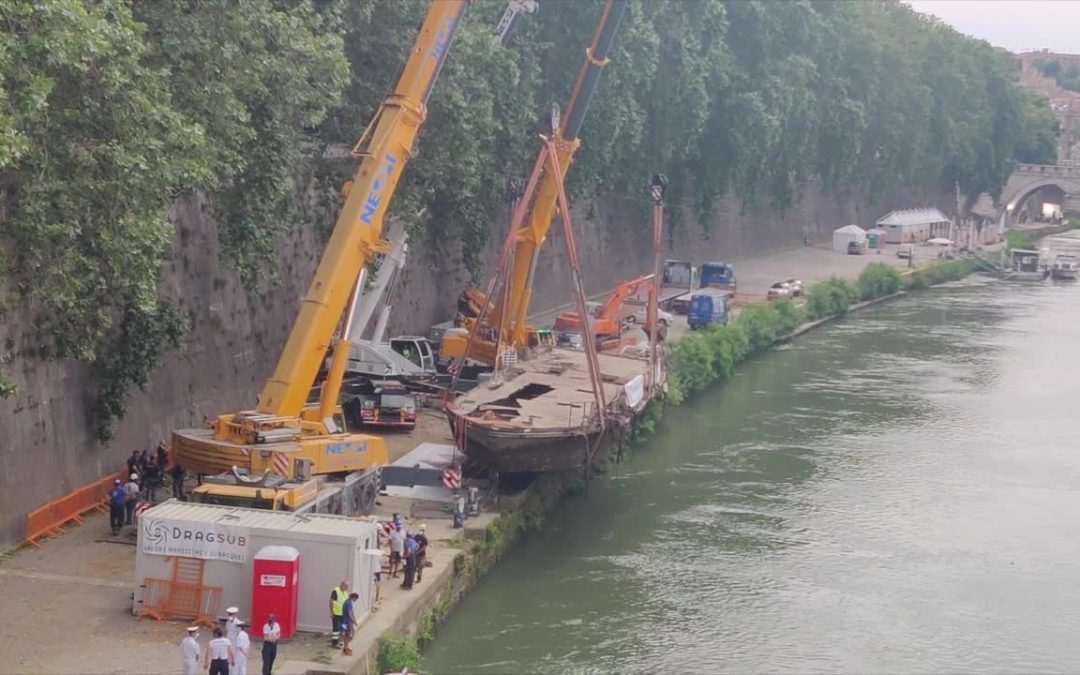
(680, 304)
(385, 404)
(718, 275)
(707, 309)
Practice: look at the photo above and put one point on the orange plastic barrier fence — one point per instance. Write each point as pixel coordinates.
(49, 520)
(166, 600)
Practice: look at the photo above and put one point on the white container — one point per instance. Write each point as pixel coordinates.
(332, 548)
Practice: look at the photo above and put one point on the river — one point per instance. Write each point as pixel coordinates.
(895, 493)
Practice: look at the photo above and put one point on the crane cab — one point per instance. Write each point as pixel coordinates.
(417, 349)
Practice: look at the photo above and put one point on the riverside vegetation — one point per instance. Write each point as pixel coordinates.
(703, 358)
(112, 109)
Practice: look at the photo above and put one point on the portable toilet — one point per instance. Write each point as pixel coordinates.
(875, 238)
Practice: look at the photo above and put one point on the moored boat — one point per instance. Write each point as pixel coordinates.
(1065, 268)
(542, 415)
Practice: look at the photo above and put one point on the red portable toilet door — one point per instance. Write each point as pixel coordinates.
(275, 589)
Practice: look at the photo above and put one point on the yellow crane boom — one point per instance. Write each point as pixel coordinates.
(384, 150)
(284, 423)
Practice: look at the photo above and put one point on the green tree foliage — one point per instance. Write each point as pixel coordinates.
(940, 272)
(749, 98)
(877, 280)
(831, 297)
(1020, 240)
(398, 654)
(108, 110)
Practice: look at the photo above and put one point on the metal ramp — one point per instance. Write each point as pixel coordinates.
(985, 264)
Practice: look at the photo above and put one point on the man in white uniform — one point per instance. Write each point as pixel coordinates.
(241, 650)
(230, 624)
(189, 651)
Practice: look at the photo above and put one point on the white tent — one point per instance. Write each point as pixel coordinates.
(843, 236)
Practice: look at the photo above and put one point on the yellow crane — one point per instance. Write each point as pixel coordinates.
(288, 434)
(508, 316)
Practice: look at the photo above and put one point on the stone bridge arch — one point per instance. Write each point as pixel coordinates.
(1027, 179)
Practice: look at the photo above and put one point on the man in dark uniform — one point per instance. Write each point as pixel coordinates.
(421, 551)
(117, 500)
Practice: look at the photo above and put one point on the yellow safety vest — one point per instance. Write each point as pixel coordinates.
(340, 597)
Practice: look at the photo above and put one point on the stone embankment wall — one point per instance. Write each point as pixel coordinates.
(46, 442)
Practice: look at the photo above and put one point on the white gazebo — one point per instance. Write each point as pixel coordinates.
(843, 236)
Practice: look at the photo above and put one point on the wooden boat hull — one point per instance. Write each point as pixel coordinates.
(533, 451)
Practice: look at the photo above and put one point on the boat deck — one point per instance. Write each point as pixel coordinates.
(552, 390)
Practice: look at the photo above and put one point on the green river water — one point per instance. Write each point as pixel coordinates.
(897, 492)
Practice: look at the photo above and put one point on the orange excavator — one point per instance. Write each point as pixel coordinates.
(607, 323)
(506, 322)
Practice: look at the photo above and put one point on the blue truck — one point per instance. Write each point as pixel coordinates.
(708, 308)
(717, 274)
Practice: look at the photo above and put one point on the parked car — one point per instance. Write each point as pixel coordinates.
(796, 287)
(854, 248)
(906, 251)
(662, 317)
(779, 290)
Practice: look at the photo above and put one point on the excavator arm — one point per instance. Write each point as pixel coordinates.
(621, 293)
(606, 323)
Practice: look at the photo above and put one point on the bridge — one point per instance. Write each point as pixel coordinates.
(1062, 181)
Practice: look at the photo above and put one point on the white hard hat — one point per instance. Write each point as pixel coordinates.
(239, 622)
(192, 629)
(232, 610)
(134, 476)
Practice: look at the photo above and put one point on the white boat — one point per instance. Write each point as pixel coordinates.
(1065, 268)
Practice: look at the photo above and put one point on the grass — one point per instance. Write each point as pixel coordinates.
(397, 654)
(940, 272)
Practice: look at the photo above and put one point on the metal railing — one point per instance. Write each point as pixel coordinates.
(165, 600)
(49, 519)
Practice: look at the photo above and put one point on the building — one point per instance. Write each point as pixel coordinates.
(909, 226)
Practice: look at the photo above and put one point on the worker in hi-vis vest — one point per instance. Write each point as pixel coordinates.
(338, 596)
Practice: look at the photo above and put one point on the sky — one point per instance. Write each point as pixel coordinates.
(1016, 25)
